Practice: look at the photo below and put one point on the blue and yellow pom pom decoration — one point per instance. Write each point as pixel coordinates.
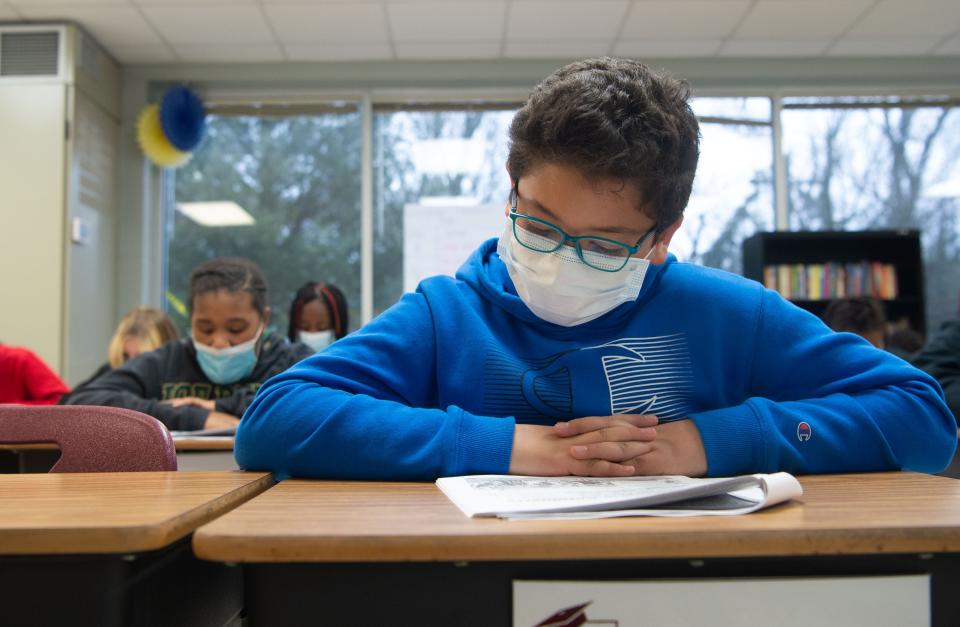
(170, 131)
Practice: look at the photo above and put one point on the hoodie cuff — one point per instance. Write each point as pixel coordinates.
(484, 445)
(733, 440)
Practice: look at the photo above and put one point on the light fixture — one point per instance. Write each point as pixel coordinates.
(448, 201)
(216, 213)
(449, 155)
(944, 189)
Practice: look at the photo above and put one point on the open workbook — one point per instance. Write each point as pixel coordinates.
(519, 497)
(205, 433)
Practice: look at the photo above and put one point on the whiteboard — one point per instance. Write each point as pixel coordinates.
(438, 239)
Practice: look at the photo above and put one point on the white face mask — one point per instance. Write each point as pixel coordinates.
(559, 288)
(317, 340)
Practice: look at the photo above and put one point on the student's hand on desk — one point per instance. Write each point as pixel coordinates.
(676, 450)
(613, 441)
(192, 401)
(220, 420)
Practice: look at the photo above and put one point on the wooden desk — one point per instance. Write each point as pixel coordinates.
(314, 548)
(193, 453)
(113, 548)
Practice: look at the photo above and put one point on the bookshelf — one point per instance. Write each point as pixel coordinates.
(891, 252)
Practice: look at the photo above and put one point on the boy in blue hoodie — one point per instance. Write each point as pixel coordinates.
(575, 344)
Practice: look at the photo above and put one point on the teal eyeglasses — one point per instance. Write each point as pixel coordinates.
(600, 253)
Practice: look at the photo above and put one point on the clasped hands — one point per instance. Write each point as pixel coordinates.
(215, 419)
(621, 445)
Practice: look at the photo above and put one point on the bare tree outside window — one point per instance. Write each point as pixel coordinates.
(447, 153)
(298, 178)
(733, 192)
(881, 163)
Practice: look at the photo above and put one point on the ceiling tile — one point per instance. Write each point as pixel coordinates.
(817, 19)
(667, 48)
(949, 47)
(111, 26)
(230, 54)
(27, 4)
(552, 21)
(690, 19)
(338, 52)
(7, 13)
(448, 51)
(446, 21)
(313, 2)
(854, 47)
(143, 54)
(161, 3)
(205, 25)
(914, 18)
(321, 23)
(555, 49)
(774, 47)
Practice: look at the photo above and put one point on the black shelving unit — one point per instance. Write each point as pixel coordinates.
(899, 248)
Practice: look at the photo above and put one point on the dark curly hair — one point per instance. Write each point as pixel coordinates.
(233, 274)
(858, 314)
(617, 119)
(331, 296)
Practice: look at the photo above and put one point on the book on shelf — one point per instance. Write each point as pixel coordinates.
(524, 497)
(828, 281)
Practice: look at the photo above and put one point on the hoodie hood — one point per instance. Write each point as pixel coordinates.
(486, 273)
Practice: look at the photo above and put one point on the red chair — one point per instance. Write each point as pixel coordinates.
(92, 439)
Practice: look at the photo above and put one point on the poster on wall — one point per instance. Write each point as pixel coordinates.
(440, 235)
(879, 601)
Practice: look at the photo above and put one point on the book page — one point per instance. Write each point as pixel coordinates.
(595, 497)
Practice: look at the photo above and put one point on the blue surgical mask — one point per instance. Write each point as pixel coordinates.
(317, 340)
(228, 365)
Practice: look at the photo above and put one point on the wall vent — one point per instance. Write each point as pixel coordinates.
(30, 53)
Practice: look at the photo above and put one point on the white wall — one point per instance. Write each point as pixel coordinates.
(32, 227)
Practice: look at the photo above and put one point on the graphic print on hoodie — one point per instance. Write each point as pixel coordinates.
(641, 375)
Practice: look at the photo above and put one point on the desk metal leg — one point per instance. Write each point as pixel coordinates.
(167, 587)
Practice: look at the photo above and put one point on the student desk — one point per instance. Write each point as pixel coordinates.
(395, 553)
(193, 453)
(111, 549)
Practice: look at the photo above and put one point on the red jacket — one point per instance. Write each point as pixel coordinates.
(24, 378)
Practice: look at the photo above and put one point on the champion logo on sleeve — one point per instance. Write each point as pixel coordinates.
(804, 432)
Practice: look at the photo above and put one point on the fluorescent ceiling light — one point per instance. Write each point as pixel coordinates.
(217, 213)
(448, 156)
(945, 189)
(448, 201)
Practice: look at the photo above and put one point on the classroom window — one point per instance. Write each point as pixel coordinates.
(733, 192)
(439, 190)
(881, 163)
(296, 177)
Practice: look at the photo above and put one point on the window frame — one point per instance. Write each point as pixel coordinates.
(376, 99)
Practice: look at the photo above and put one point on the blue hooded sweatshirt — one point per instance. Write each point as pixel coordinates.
(434, 386)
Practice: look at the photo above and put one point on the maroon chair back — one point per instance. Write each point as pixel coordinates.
(92, 439)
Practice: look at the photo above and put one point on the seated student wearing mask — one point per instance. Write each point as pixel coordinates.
(318, 315)
(575, 344)
(207, 381)
(142, 330)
